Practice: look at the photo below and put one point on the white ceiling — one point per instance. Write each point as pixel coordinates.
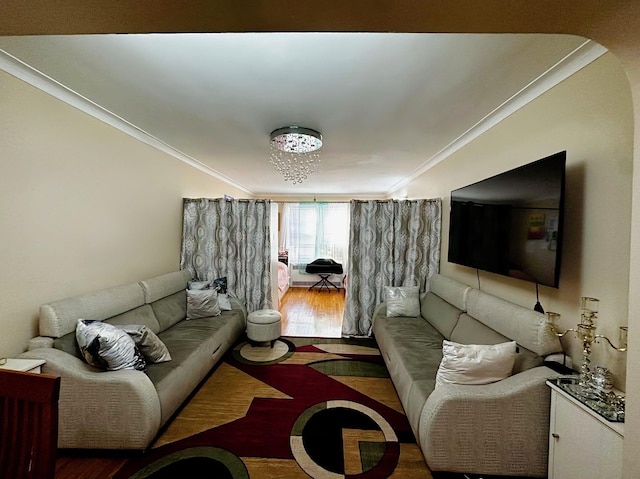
(388, 105)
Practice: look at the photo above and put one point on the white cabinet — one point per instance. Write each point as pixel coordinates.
(582, 444)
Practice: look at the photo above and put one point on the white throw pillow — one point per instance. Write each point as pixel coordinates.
(224, 302)
(202, 303)
(475, 363)
(402, 301)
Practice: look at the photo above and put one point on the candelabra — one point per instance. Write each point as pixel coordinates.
(593, 388)
(586, 332)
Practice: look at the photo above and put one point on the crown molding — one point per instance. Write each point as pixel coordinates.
(45, 83)
(573, 62)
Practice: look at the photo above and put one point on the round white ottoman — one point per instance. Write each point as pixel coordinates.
(264, 325)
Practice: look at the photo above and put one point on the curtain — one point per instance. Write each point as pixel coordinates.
(392, 243)
(222, 237)
(315, 230)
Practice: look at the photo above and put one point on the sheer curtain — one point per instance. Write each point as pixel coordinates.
(392, 243)
(223, 237)
(315, 230)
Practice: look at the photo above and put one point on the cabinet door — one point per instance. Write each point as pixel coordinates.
(580, 446)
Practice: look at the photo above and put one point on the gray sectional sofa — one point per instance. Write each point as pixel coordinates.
(125, 409)
(499, 428)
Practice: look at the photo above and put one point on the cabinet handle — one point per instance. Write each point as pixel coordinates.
(555, 435)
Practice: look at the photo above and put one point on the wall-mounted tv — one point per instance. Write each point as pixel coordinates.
(511, 223)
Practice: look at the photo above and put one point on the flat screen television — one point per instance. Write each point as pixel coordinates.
(511, 223)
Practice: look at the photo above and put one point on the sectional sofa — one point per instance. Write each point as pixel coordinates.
(499, 428)
(125, 409)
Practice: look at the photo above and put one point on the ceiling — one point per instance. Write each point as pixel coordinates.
(388, 105)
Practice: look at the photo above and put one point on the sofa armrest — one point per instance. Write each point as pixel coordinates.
(500, 428)
(101, 409)
(237, 304)
(40, 342)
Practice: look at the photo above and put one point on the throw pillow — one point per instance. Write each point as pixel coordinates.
(149, 344)
(194, 284)
(224, 302)
(220, 284)
(402, 301)
(475, 363)
(105, 346)
(202, 303)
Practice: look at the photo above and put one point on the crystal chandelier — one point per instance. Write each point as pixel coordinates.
(295, 152)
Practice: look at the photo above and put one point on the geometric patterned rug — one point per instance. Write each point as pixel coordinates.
(308, 407)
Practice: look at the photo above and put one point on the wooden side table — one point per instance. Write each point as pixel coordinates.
(24, 365)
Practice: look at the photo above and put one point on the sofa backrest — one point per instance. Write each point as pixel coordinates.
(470, 316)
(134, 303)
(525, 326)
(166, 294)
(443, 304)
(60, 317)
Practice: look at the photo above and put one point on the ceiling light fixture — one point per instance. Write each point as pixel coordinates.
(295, 152)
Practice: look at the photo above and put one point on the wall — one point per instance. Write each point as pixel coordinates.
(589, 115)
(82, 206)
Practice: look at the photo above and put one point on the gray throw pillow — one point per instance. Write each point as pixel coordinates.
(108, 347)
(202, 303)
(149, 344)
(402, 301)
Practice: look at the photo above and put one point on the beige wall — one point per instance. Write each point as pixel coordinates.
(82, 206)
(589, 115)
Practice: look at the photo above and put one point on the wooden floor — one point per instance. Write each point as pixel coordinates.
(304, 314)
(312, 313)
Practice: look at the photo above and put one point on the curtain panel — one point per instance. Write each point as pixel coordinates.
(222, 237)
(392, 243)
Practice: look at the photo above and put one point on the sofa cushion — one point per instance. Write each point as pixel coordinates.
(195, 347)
(170, 309)
(475, 363)
(412, 350)
(402, 300)
(69, 344)
(108, 347)
(441, 315)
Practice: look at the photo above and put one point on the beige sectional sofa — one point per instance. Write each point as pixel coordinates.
(499, 428)
(125, 409)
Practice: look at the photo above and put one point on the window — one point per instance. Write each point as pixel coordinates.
(315, 230)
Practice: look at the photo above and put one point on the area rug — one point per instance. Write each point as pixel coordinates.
(321, 408)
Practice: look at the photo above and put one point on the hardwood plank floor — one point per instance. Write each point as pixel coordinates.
(312, 313)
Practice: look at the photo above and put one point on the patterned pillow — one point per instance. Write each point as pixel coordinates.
(108, 347)
(202, 303)
(220, 284)
(149, 344)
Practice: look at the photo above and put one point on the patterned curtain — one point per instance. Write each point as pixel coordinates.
(222, 237)
(392, 243)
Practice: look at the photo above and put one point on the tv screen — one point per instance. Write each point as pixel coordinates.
(511, 223)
